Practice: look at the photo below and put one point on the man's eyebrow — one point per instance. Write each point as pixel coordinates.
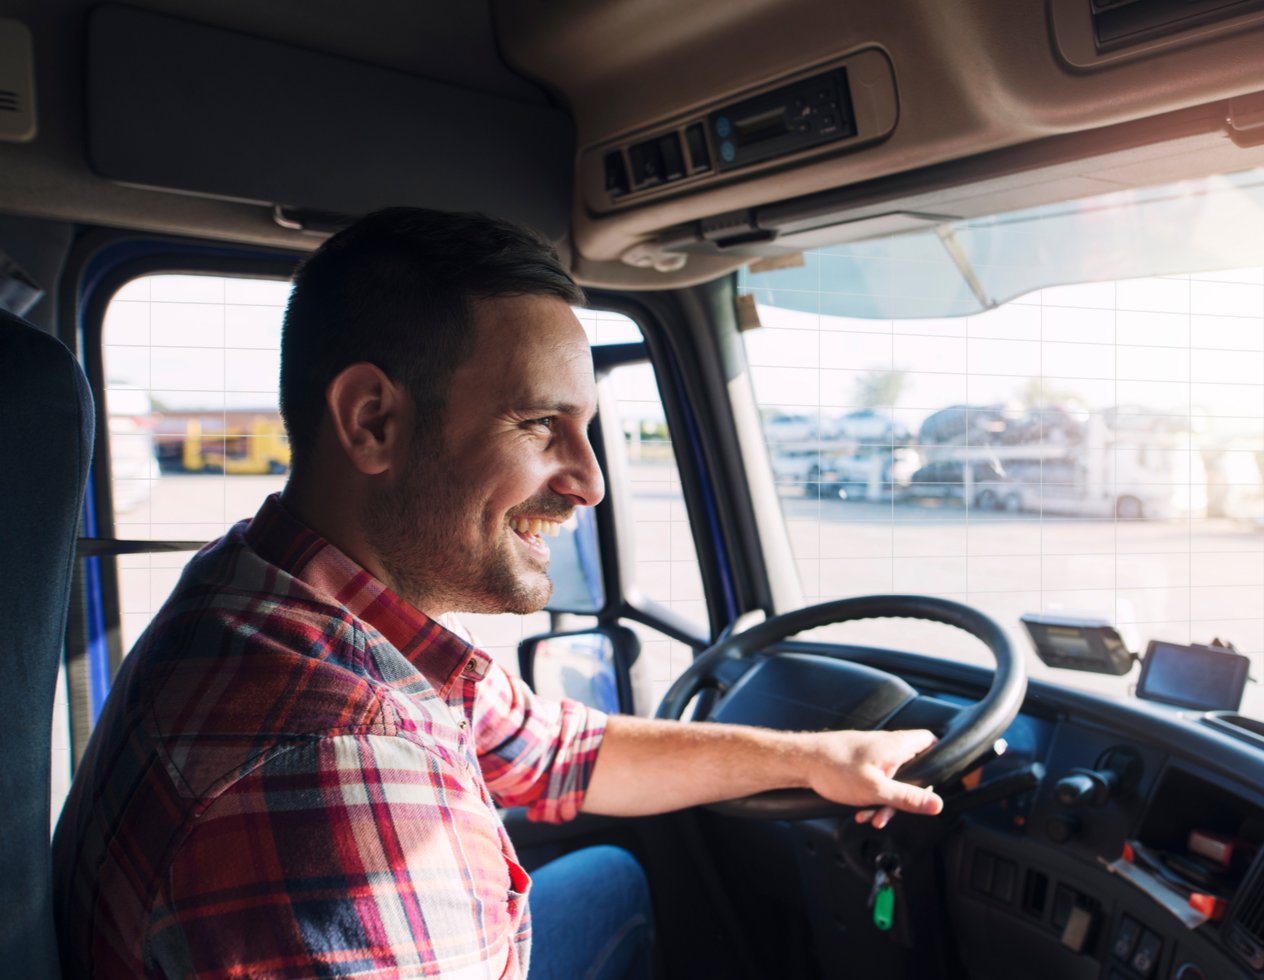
(584, 412)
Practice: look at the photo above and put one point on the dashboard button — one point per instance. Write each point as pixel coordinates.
(1079, 929)
(673, 160)
(1126, 937)
(696, 139)
(1003, 881)
(616, 174)
(1063, 903)
(647, 164)
(982, 871)
(1246, 947)
(1146, 958)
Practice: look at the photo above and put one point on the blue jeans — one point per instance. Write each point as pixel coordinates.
(591, 918)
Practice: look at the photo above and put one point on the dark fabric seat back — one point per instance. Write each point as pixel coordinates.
(46, 431)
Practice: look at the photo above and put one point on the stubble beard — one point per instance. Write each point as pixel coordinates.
(420, 529)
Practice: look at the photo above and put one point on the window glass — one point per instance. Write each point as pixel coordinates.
(1089, 450)
(665, 559)
(196, 442)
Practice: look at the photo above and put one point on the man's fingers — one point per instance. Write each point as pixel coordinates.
(914, 741)
(867, 779)
(912, 799)
(879, 818)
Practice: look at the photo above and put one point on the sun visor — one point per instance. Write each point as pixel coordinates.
(185, 107)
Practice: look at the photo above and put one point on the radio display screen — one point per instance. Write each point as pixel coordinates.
(1072, 643)
(789, 119)
(764, 126)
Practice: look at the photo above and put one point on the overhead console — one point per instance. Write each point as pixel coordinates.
(829, 109)
(1096, 33)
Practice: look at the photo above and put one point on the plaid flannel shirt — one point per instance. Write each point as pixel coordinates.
(296, 774)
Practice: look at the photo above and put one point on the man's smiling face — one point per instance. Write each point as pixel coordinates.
(465, 526)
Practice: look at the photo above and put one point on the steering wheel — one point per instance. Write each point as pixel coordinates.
(970, 734)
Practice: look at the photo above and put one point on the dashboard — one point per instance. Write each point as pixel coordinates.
(1030, 867)
(1033, 873)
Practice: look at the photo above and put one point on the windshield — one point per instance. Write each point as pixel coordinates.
(1091, 449)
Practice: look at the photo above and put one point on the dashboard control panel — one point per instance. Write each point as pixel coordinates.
(1184, 848)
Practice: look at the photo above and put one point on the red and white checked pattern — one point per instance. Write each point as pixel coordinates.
(296, 774)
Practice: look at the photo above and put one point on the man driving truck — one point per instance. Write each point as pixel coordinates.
(298, 767)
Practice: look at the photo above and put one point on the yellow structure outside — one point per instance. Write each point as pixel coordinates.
(263, 448)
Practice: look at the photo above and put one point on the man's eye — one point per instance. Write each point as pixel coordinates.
(547, 421)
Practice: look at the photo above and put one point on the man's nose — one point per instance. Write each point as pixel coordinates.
(581, 479)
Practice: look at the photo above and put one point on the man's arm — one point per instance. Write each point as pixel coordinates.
(647, 766)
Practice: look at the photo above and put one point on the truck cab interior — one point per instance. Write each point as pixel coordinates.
(825, 245)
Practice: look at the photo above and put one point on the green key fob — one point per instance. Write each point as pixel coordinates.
(884, 908)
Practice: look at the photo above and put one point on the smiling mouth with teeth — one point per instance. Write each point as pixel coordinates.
(536, 527)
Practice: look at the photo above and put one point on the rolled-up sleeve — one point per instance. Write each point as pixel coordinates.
(535, 752)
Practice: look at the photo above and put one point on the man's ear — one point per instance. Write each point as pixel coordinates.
(368, 415)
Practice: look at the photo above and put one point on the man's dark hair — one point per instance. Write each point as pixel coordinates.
(397, 289)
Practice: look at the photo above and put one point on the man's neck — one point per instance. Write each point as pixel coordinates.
(333, 516)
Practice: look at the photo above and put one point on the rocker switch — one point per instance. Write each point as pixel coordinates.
(1078, 929)
(1146, 958)
(1126, 938)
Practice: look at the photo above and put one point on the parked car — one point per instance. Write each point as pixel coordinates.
(982, 484)
(876, 472)
(870, 425)
(782, 430)
(806, 468)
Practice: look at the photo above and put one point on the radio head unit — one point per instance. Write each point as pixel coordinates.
(1075, 643)
(797, 116)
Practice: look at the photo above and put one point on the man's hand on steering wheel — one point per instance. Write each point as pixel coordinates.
(856, 768)
(725, 667)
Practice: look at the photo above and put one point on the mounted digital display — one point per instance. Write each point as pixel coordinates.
(1203, 677)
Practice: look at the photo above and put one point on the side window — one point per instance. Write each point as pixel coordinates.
(665, 560)
(195, 438)
(191, 364)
